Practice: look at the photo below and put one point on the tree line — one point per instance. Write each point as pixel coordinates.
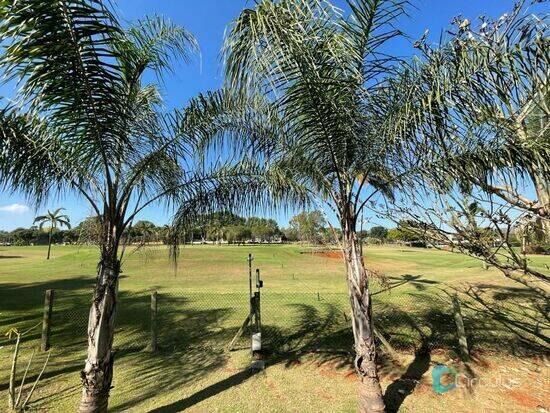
(309, 227)
(215, 227)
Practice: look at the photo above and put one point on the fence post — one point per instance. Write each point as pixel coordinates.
(47, 320)
(154, 307)
(462, 342)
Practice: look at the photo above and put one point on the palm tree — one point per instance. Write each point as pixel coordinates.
(85, 122)
(310, 75)
(146, 229)
(53, 219)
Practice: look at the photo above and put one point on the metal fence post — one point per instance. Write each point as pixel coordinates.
(47, 320)
(259, 284)
(257, 333)
(154, 332)
(461, 332)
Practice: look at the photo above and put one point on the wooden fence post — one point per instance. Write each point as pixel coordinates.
(47, 320)
(461, 332)
(153, 344)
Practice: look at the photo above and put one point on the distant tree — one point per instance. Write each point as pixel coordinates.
(362, 235)
(144, 230)
(290, 234)
(23, 236)
(404, 232)
(309, 226)
(214, 224)
(263, 229)
(59, 235)
(378, 232)
(88, 231)
(53, 219)
(394, 235)
(237, 233)
(4, 237)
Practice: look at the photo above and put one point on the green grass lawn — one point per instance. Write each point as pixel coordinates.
(304, 315)
(224, 268)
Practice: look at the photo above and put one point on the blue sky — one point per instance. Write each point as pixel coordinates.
(207, 20)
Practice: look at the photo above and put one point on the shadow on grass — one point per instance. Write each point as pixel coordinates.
(49, 373)
(207, 392)
(519, 315)
(194, 328)
(400, 389)
(185, 333)
(30, 297)
(191, 346)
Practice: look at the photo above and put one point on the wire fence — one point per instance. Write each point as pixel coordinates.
(194, 329)
(206, 322)
(301, 321)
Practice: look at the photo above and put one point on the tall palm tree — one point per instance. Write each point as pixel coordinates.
(53, 219)
(311, 73)
(85, 122)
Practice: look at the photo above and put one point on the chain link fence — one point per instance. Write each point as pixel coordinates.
(194, 330)
(301, 321)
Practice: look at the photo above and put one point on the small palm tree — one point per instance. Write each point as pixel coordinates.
(53, 219)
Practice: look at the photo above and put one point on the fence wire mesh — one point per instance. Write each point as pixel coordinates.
(299, 321)
(194, 329)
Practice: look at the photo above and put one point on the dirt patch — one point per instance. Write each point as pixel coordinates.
(524, 399)
(327, 254)
(336, 369)
(379, 266)
(328, 373)
(351, 376)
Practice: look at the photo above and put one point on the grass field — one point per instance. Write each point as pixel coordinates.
(305, 325)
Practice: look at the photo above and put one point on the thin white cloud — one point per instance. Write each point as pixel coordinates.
(14, 208)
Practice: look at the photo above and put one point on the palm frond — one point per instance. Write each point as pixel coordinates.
(318, 70)
(153, 43)
(62, 57)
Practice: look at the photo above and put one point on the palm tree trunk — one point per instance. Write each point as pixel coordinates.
(542, 188)
(370, 391)
(97, 374)
(49, 243)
